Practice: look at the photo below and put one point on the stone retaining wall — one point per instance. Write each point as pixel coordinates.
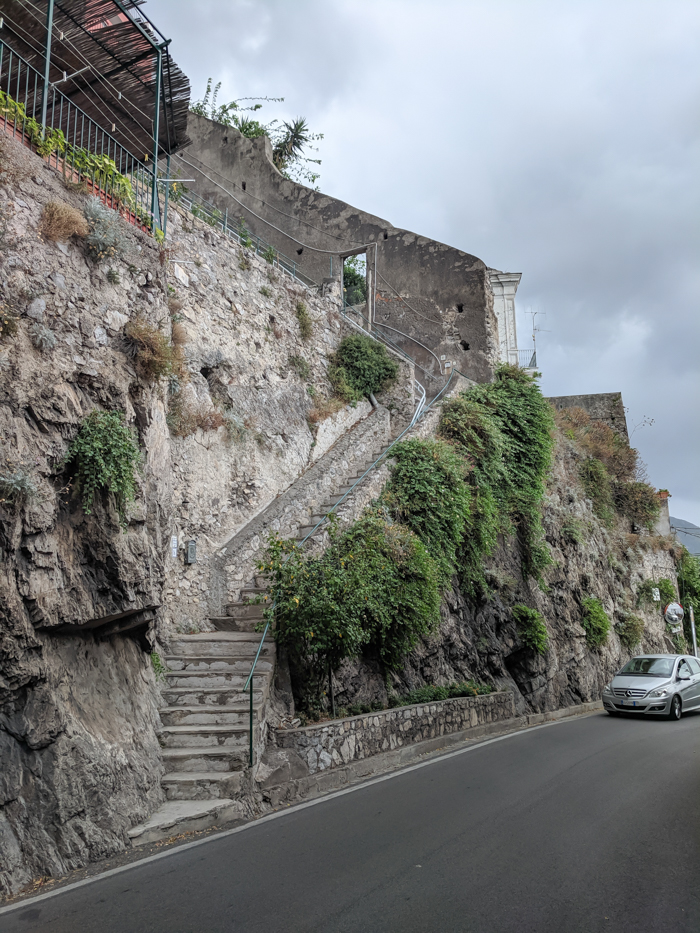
(334, 744)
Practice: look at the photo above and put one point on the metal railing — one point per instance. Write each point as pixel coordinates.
(421, 410)
(527, 359)
(71, 140)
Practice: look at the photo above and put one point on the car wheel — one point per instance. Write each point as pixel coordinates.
(676, 710)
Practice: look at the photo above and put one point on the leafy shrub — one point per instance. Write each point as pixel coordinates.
(689, 586)
(106, 455)
(302, 315)
(9, 322)
(60, 221)
(236, 429)
(376, 584)
(106, 239)
(598, 488)
(503, 430)
(532, 628)
(598, 440)
(595, 622)
(42, 337)
(361, 366)
(427, 493)
(638, 501)
(645, 595)
(155, 354)
(630, 631)
(265, 291)
(269, 255)
(429, 694)
(113, 277)
(300, 366)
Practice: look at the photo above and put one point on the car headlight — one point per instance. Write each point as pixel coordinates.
(661, 692)
(608, 688)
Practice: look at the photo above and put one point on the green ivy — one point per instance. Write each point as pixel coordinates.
(598, 488)
(504, 430)
(430, 693)
(531, 628)
(689, 586)
(361, 366)
(106, 454)
(427, 493)
(595, 622)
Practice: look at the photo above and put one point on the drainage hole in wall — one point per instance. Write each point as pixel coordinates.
(386, 236)
(300, 251)
(463, 344)
(460, 309)
(205, 371)
(243, 185)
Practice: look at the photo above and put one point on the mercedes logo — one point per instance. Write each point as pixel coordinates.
(629, 693)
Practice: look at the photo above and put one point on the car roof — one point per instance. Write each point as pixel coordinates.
(657, 656)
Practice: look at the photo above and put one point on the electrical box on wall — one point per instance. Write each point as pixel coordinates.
(191, 552)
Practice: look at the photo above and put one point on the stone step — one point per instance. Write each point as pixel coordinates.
(245, 610)
(229, 624)
(201, 785)
(199, 736)
(223, 644)
(230, 680)
(184, 816)
(210, 696)
(250, 591)
(212, 758)
(235, 714)
(234, 665)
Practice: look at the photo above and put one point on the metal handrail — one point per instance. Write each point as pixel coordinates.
(24, 85)
(423, 410)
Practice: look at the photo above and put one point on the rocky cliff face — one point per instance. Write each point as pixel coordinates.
(78, 698)
(480, 640)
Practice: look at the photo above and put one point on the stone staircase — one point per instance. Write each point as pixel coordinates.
(206, 734)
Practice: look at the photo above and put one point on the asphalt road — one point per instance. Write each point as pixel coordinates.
(589, 825)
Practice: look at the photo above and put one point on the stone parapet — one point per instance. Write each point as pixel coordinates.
(340, 741)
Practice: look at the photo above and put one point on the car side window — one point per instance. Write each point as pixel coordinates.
(684, 669)
(694, 665)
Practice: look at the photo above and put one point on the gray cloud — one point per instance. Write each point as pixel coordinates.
(559, 140)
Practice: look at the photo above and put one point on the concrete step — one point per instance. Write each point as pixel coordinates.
(230, 623)
(210, 696)
(201, 785)
(234, 665)
(222, 644)
(235, 714)
(212, 758)
(184, 816)
(199, 736)
(229, 680)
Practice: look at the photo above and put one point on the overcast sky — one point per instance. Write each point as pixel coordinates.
(556, 138)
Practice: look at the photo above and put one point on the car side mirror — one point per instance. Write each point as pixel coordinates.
(683, 676)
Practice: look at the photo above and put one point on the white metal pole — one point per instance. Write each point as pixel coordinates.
(692, 629)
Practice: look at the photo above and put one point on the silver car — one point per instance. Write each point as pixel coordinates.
(655, 685)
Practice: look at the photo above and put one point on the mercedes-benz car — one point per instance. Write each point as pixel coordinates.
(655, 685)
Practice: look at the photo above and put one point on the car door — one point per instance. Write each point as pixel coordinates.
(687, 685)
(694, 666)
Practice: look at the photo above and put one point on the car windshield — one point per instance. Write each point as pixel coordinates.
(651, 667)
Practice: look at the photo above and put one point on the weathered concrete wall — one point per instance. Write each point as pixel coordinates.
(450, 298)
(336, 743)
(603, 406)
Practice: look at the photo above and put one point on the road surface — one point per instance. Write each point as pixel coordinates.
(592, 824)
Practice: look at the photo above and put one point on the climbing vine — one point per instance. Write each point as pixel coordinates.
(105, 455)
